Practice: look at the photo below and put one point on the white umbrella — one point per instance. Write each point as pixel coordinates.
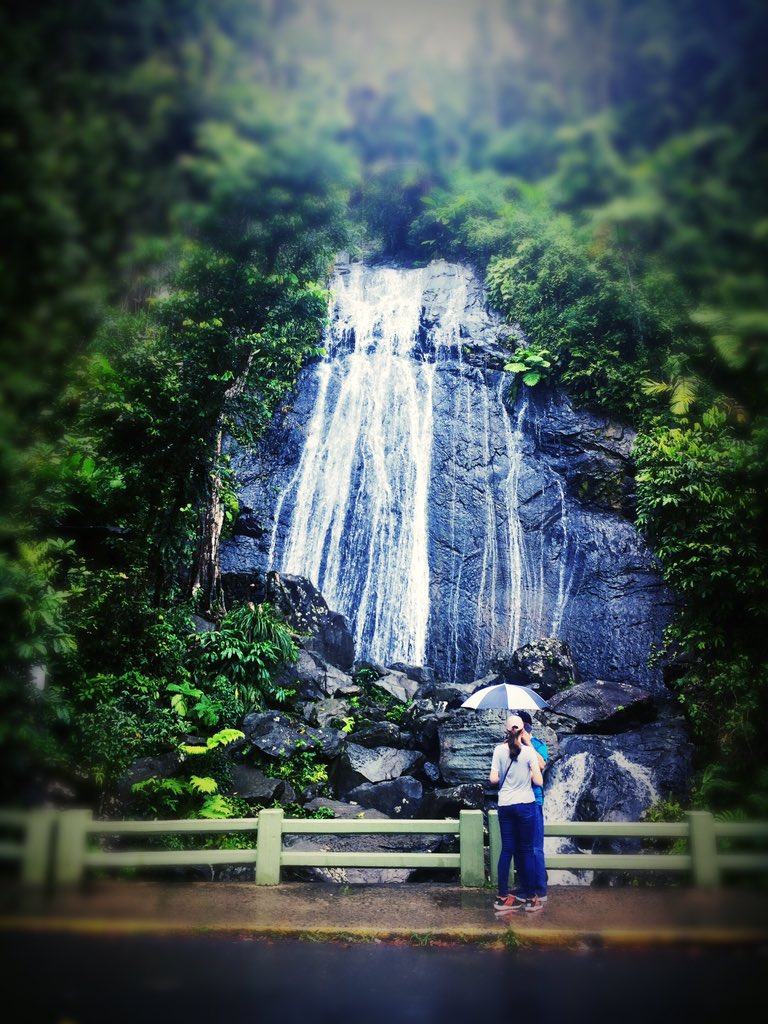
(505, 695)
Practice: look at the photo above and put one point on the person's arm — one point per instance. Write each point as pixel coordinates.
(494, 777)
(528, 740)
(536, 777)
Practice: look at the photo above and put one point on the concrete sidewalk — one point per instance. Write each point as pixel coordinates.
(574, 916)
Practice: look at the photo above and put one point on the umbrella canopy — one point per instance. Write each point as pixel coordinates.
(505, 695)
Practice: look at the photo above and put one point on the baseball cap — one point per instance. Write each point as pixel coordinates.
(514, 722)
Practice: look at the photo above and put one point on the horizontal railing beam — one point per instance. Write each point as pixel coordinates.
(620, 861)
(741, 829)
(743, 861)
(323, 859)
(176, 858)
(195, 826)
(373, 826)
(618, 829)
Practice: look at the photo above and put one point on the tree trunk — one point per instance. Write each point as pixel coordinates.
(205, 585)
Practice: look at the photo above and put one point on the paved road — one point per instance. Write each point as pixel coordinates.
(574, 916)
(59, 978)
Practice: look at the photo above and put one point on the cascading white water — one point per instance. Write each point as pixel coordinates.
(360, 493)
(561, 792)
(403, 508)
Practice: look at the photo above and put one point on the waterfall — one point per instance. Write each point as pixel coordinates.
(403, 505)
(568, 781)
(358, 528)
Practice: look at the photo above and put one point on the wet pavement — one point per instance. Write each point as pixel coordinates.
(420, 914)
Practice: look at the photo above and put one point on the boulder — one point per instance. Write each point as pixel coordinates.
(399, 798)
(604, 706)
(454, 694)
(467, 739)
(358, 765)
(301, 605)
(306, 676)
(276, 735)
(446, 803)
(324, 713)
(164, 766)
(305, 609)
(545, 665)
(422, 674)
(379, 734)
(397, 685)
(253, 785)
(339, 684)
(617, 778)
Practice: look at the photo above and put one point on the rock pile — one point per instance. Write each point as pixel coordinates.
(393, 741)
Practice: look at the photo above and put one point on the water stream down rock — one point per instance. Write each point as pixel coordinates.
(445, 521)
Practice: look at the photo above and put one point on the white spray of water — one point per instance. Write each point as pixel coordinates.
(361, 488)
(570, 778)
(641, 777)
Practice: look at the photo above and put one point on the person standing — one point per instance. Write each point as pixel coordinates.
(515, 768)
(540, 870)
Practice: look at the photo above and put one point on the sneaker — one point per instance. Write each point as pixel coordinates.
(542, 899)
(532, 905)
(510, 902)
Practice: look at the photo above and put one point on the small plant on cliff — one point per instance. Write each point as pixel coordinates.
(531, 365)
(301, 769)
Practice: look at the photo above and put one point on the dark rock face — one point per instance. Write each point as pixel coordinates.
(164, 766)
(527, 504)
(252, 784)
(545, 665)
(467, 739)
(277, 736)
(448, 803)
(619, 777)
(380, 734)
(604, 706)
(399, 798)
(358, 765)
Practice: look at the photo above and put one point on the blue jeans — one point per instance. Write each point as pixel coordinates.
(517, 824)
(539, 870)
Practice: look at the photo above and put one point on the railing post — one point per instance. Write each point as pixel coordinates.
(269, 845)
(471, 848)
(36, 859)
(702, 842)
(494, 846)
(71, 845)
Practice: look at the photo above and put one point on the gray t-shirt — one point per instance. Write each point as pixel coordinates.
(517, 788)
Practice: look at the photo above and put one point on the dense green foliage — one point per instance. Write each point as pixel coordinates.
(178, 176)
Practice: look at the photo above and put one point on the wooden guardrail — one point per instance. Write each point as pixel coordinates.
(61, 847)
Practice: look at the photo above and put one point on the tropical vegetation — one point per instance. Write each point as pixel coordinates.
(178, 178)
